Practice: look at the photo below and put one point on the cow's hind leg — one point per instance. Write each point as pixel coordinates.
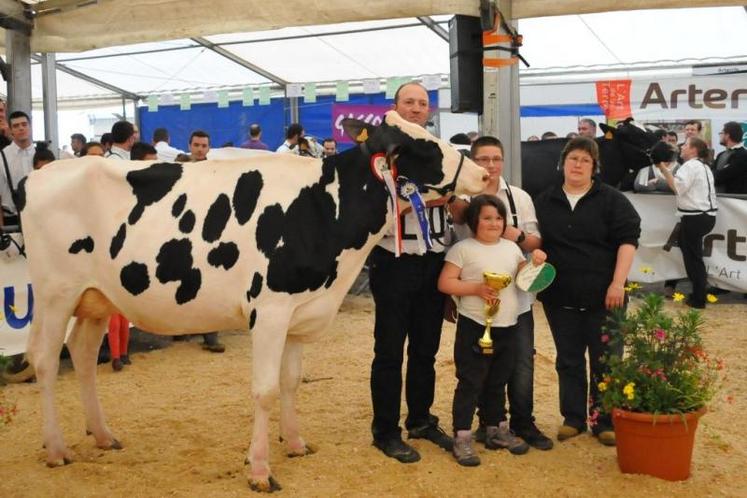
(84, 343)
(268, 342)
(45, 343)
(290, 378)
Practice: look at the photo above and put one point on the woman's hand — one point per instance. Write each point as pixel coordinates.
(538, 257)
(615, 296)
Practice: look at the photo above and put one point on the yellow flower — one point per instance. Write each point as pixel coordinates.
(629, 390)
(677, 297)
(602, 386)
(711, 298)
(646, 269)
(632, 286)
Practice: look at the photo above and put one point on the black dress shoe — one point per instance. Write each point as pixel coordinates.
(397, 449)
(694, 304)
(434, 434)
(533, 437)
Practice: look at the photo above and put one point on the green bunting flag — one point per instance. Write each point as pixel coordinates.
(185, 102)
(309, 93)
(247, 98)
(342, 91)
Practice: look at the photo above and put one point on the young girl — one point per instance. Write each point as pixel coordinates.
(479, 375)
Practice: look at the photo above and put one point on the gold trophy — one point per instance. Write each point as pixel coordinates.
(495, 281)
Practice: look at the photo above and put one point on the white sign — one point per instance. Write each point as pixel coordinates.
(17, 301)
(432, 81)
(293, 90)
(371, 86)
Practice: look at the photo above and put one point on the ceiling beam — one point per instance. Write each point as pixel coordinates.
(12, 17)
(435, 27)
(92, 80)
(238, 60)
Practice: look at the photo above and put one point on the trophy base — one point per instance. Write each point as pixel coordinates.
(485, 347)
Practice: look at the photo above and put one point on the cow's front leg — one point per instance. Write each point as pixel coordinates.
(268, 341)
(83, 343)
(290, 378)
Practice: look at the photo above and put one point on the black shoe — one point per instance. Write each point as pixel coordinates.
(533, 437)
(126, 359)
(480, 434)
(397, 449)
(117, 365)
(694, 304)
(434, 434)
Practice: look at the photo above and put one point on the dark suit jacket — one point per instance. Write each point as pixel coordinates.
(732, 178)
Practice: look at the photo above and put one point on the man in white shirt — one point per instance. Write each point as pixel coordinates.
(161, 142)
(19, 162)
(123, 136)
(292, 136)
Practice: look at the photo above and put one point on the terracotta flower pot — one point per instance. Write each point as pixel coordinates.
(660, 446)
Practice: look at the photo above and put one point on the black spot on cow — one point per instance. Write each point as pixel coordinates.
(134, 278)
(256, 287)
(224, 255)
(252, 319)
(246, 194)
(314, 230)
(175, 265)
(216, 219)
(178, 206)
(150, 185)
(269, 229)
(118, 241)
(20, 199)
(85, 244)
(187, 222)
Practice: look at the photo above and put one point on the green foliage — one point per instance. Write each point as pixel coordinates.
(664, 369)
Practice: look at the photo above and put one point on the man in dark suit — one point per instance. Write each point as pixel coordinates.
(730, 169)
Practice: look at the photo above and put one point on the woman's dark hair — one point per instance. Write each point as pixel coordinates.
(472, 215)
(84, 149)
(700, 146)
(585, 144)
(42, 153)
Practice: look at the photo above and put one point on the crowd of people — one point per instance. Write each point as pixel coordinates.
(588, 230)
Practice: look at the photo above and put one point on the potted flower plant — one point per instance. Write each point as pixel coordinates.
(658, 389)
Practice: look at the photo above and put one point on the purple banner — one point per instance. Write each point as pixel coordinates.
(371, 114)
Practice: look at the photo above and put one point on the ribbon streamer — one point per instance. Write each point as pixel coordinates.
(412, 193)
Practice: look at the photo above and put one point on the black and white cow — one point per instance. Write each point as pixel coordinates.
(273, 242)
(623, 151)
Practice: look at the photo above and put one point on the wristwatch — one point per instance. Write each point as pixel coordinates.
(521, 237)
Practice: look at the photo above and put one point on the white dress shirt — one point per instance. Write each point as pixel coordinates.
(118, 153)
(166, 152)
(696, 193)
(285, 147)
(20, 164)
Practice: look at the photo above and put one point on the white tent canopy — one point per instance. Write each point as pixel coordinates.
(355, 51)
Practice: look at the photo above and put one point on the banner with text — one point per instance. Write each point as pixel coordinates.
(371, 114)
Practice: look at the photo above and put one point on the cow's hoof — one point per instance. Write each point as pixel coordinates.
(309, 449)
(262, 486)
(114, 445)
(59, 462)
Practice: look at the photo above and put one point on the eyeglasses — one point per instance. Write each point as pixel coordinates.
(488, 160)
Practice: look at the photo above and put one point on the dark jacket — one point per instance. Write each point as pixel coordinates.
(582, 244)
(732, 178)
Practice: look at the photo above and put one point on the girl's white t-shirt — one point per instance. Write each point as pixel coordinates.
(473, 258)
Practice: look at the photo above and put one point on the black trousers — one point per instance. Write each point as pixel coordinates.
(479, 376)
(408, 306)
(692, 230)
(574, 332)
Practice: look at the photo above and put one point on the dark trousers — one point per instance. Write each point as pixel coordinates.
(692, 230)
(408, 306)
(479, 376)
(521, 382)
(574, 332)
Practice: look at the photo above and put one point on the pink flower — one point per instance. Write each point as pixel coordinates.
(660, 335)
(605, 338)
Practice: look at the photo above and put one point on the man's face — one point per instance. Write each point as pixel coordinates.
(585, 129)
(199, 147)
(136, 134)
(671, 139)
(490, 157)
(412, 104)
(691, 130)
(722, 138)
(20, 130)
(76, 144)
(330, 148)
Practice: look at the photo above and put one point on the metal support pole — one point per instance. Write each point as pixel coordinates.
(295, 115)
(49, 96)
(18, 48)
(501, 104)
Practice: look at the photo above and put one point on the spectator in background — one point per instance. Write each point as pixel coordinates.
(143, 152)
(92, 149)
(731, 164)
(533, 138)
(255, 139)
(650, 178)
(587, 128)
(693, 129)
(473, 135)
(123, 136)
(292, 136)
(672, 138)
(106, 142)
(19, 162)
(660, 134)
(43, 155)
(549, 135)
(161, 142)
(571, 134)
(77, 141)
(5, 138)
(329, 147)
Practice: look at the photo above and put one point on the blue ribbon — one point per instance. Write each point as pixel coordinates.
(413, 195)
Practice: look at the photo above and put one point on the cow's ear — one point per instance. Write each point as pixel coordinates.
(609, 131)
(357, 130)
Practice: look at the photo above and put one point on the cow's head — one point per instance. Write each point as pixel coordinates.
(634, 141)
(410, 152)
